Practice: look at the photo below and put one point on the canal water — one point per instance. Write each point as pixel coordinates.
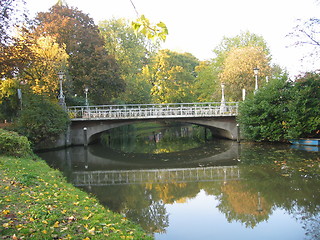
(178, 182)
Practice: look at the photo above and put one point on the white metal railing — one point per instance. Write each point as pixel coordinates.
(149, 111)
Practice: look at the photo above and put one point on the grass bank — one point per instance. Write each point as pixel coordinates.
(36, 202)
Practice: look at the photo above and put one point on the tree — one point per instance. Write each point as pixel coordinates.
(234, 62)
(154, 32)
(41, 73)
(131, 52)
(11, 13)
(263, 116)
(304, 111)
(283, 110)
(237, 73)
(306, 33)
(89, 63)
(41, 120)
(172, 76)
(142, 25)
(206, 82)
(244, 39)
(13, 51)
(9, 103)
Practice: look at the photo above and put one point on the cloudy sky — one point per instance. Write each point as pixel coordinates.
(198, 26)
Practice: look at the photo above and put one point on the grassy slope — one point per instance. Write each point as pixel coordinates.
(36, 202)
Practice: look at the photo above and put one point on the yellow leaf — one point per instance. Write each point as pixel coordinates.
(5, 212)
(56, 224)
(86, 218)
(5, 225)
(92, 231)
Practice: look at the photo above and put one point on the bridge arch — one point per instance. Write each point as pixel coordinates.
(85, 132)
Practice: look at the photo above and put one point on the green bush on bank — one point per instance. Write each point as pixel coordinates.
(12, 144)
(283, 110)
(41, 119)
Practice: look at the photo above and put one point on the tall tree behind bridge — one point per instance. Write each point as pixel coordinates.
(132, 52)
(89, 63)
(235, 59)
(172, 76)
(237, 73)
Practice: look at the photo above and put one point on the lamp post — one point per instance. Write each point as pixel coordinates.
(243, 94)
(223, 101)
(61, 98)
(256, 71)
(86, 92)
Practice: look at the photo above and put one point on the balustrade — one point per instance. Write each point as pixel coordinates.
(146, 111)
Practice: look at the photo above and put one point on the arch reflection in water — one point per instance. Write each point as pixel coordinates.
(98, 158)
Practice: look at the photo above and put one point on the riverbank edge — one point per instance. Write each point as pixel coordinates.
(37, 202)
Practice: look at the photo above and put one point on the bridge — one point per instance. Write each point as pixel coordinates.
(154, 176)
(88, 122)
(153, 111)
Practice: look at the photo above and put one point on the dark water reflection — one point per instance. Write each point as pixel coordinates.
(219, 190)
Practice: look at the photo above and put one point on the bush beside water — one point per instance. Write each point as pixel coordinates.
(11, 143)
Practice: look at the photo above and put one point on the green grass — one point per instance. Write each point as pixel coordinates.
(36, 202)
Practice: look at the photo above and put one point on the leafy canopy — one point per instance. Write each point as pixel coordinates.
(283, 110)
(172, 76)
(90, 65)
(238, 68)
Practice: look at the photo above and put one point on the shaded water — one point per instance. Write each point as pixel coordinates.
(180, 187)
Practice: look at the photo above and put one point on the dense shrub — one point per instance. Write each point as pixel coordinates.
(41, 120)
(11, 143)
(283, 110)
(304, 109)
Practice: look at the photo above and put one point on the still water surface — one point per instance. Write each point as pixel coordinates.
(177, 184)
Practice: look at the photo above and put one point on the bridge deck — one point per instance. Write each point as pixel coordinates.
(153, 111)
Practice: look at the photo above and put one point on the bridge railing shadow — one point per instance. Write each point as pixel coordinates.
(147, 111)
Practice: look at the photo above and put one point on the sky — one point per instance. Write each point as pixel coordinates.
(198, 26)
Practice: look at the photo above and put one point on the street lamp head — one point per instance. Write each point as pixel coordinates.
(86, 89)
(256, 70)
(60, 75)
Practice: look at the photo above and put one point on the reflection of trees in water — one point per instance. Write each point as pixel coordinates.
(157, 139)
(288, 179)
(240, 204)
(153, 219)
(145, 203)
(311, 224)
